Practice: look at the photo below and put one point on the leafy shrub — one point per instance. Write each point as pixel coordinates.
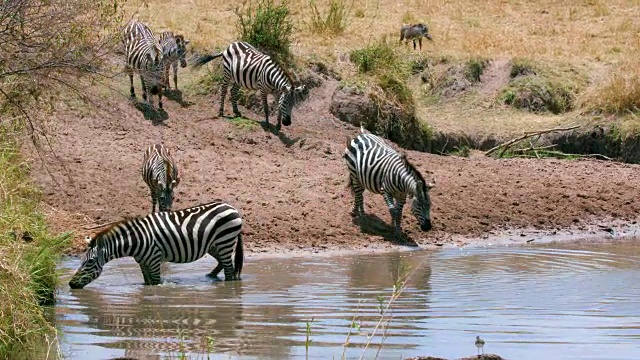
(522, 67)
(268, 27)
(474, 69)
(538, 94)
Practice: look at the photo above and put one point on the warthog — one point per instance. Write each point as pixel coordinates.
(414, 32)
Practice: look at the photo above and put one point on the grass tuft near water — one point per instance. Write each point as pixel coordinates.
(28, 255)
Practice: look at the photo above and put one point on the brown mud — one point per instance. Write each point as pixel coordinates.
(291, 187)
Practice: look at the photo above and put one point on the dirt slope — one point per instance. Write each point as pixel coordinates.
(292, 189)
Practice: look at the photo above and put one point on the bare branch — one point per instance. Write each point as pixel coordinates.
(527, 135)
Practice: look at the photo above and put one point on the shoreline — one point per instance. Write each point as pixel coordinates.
(596, 232)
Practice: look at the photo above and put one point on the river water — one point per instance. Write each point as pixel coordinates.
(552, 302)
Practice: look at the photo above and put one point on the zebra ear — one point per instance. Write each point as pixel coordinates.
(87, 239)
(186, 42)
(429, 185)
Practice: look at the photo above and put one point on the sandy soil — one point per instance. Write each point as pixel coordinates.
(291, 188)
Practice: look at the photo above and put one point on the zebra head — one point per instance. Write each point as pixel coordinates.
(288, 99)
(165, 194)
(92, 262)
(181, 44)
(421, 205)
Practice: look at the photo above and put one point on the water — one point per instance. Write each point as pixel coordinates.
(560, 302)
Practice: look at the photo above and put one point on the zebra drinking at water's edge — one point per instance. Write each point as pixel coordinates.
(181, 236)
(246, 67)
(160, 173)
(143, 55)
(375, 166)
(174, 50)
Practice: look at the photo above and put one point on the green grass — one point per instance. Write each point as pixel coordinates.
(28, 255)
(245, 124)
(333, 22)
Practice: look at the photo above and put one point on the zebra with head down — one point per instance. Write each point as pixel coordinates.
(182, 236)
(143, 55)
(244, 66)
(160, 173)
(375, 166)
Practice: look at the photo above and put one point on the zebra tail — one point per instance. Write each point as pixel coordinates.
(239, 257)
(199, 61)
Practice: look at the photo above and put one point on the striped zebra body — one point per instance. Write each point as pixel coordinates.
(244, 66)
(160, 173)
(375, 166)
(174, 50)
(181, 236)
(144, 56)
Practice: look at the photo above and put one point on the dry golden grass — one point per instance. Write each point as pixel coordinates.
(596, 35)
(573, 30)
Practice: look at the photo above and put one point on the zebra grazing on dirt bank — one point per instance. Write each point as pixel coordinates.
(414, 32)
(160, 173)
(181, 236)
(144, 56)
(174, 50)
(375, 166)
(251, 69)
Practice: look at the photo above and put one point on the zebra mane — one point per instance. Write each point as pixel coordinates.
(106, 230)
(412, 169)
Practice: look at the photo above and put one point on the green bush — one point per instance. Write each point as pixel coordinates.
(474, 69)
(268, 27)
(538, 94)
(333, 23)
(28, 256)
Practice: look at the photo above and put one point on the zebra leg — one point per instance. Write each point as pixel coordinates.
(399, 208)
(214, 253)
(235, 89)
(265, 106)
(358, 202)
(151, 270)
(144, 89)
(175, 75)
(388, 198)
(223, 95)
(165, 77)
(133, 92)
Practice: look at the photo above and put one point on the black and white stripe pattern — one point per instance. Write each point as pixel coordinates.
(179, 237)
(375, 166)
(247, 67)
(143, 55)
(160, 173)
(174, 51)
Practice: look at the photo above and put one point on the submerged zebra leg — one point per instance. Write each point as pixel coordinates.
(214, 273)
(223, 95)
(151, 272)
(265, 106)
(235, 95)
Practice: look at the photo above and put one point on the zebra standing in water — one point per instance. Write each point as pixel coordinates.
(251, 69)
(181, 236)
(375, 166)
(160, 173)
(174, 50)
(144, 56)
